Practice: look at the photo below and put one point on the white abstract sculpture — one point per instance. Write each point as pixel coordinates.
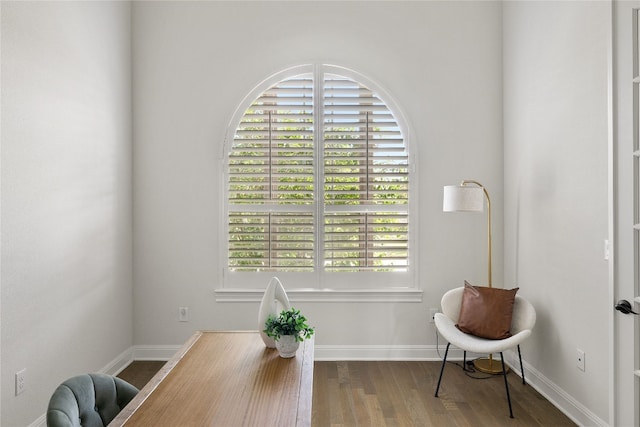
(272, 295)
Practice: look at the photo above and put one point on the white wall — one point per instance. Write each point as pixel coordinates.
(67, 211)
(66, 195)
(194, 63)
(555, 116)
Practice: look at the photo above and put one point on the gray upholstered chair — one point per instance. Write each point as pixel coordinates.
(89, 400)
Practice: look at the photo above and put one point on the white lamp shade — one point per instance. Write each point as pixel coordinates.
(461, 198)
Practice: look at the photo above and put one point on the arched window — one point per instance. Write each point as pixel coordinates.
(318, 180)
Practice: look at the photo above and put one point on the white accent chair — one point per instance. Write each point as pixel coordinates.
(523, 320)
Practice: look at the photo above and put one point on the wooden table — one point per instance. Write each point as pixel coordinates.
(226, 379)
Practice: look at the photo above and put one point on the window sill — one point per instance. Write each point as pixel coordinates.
(325, 295)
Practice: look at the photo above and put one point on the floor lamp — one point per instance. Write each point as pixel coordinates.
(469, 196)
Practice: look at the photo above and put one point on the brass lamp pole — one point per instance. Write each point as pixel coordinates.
(469, 196)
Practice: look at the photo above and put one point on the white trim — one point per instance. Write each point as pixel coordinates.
(549, 390)
(40, 422)
(428, 353)
(118, 364)
(319, 70)
(611, 213)
(154, 352)
(562, 400)
(554, 394)
(325, 295)
(251, 96)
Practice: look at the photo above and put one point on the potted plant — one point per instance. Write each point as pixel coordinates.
(288, 329)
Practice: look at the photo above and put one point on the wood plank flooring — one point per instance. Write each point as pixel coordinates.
(139, 372)
(395, 394)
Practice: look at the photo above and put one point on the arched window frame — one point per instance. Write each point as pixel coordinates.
(318, 285)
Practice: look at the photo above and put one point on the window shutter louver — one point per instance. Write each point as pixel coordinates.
(271, 181)
(366, 181)
(361, 189)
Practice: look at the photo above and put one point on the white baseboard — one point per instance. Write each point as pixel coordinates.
(328, 352)
(154, 352)
(573, 409)
(119, 363)
(40, 422)
(577, 412)
(383, 352)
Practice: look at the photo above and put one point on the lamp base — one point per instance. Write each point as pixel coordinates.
(489, 366)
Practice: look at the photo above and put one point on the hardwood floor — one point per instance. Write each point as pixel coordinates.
(402, 394)
(139, 372)
(368, 393)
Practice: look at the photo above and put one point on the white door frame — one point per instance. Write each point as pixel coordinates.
(624, 209)
(611, 211)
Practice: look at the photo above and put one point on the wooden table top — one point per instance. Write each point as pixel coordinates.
(226, 379)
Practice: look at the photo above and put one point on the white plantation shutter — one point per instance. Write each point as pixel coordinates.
(366, 181)
(271, 181)
(338, 204)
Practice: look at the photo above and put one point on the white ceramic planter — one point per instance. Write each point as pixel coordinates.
(287, 346)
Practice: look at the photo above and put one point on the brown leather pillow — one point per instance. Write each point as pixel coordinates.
(486, 312)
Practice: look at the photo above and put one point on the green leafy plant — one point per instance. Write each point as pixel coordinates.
(288, 322)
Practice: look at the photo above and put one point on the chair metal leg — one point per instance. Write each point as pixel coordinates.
(444, 361)
(521, 368)
(506, 384)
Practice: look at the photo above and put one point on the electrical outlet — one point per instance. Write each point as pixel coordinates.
(21, 384)
(580, 359)
(183, 314)
(432, 314)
